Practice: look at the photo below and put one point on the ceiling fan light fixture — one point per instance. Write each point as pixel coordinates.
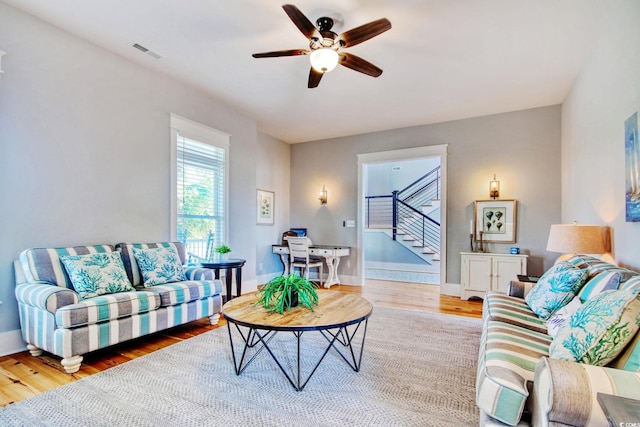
(324, 59)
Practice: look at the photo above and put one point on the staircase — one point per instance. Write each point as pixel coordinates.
(412, 215)
(410, 231)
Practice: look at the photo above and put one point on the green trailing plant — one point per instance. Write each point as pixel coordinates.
(222, 249)
(278, 294)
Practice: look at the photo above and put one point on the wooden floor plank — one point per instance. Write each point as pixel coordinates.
(23, 376)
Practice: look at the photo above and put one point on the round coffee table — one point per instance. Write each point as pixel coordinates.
(338, 317)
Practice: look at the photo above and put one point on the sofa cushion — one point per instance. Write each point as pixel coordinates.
(599, 330)
(43, 264)
(506, 366)
(182, 292)
(591, 264)
(159, 265)
(632, 283)
(129, 260)
(605, 280)
(106, 307)
(512, 310)
(555, 289)
(96, 274)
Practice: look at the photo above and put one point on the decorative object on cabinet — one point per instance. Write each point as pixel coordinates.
(323, 196)
(481, 272)
(265, 206)
(496, 220)
(572, 239)
(494, 188)
(479, 247)
(632, 162)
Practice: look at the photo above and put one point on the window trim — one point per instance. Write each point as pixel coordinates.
(201, 133)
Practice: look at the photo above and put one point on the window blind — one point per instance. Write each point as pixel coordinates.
(200, 196)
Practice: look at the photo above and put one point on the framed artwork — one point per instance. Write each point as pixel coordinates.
(266, 203)
(632, 166)
(496, 219)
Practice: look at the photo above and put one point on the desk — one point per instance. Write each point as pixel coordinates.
(227, 265)
(330, 253)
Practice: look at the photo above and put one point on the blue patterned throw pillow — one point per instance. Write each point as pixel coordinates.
(96, 274)
(159, 266)
(555, 289)
(599, 330)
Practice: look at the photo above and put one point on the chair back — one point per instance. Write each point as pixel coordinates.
(288, 234)
(298, 248)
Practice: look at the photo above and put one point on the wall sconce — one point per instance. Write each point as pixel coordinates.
(494, 188)
(323, 196)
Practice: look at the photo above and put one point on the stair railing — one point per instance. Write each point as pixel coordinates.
(394, 210)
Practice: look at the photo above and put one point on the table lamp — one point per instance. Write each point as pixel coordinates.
(571, 239)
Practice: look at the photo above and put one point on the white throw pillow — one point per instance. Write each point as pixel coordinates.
(562, 315)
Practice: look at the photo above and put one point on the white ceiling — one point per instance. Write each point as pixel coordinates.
(442, 60)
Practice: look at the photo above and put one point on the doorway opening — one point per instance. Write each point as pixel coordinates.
(402, 212)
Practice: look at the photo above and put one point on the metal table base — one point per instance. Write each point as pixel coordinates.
(341, 339)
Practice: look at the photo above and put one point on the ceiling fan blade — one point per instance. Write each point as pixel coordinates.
(314, 78)
(277, 53)
(305, 26)
(358, 64)
(364, 32)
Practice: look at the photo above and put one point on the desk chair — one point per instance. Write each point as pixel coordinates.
(299, 257)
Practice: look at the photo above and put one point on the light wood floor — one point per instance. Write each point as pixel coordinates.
(23, 376)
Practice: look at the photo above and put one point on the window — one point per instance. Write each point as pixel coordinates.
(199, 181)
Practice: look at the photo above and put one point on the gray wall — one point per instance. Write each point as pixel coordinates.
(522, 148)
(85, 143)
(604, 95)
(272, 173)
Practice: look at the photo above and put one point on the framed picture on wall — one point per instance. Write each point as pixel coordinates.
(632, 167)
(496, 219)
(266, 203)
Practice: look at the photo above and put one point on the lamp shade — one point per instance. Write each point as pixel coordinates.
(575, 239)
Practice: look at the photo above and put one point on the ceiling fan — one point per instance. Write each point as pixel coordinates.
(326, 46)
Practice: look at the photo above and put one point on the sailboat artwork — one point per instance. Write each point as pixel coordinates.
(632, 155)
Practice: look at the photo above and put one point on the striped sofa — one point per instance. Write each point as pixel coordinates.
(55, 319)
(518, 384)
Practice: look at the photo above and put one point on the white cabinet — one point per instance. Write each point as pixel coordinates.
(482, 272)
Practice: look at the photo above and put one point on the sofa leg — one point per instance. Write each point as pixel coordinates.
(214, 319)
(35, 351)
(71, 364)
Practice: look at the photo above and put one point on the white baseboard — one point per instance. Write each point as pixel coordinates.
(11, 342)
(349, 280)
(452, 289)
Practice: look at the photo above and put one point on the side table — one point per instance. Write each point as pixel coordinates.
(227, 265)
(620, 411)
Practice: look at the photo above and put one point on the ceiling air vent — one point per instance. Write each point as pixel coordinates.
(147, 51)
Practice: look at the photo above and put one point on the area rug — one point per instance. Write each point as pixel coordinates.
(418, 369)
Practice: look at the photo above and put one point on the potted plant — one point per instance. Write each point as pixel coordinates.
(222, 250)
(283, 292)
